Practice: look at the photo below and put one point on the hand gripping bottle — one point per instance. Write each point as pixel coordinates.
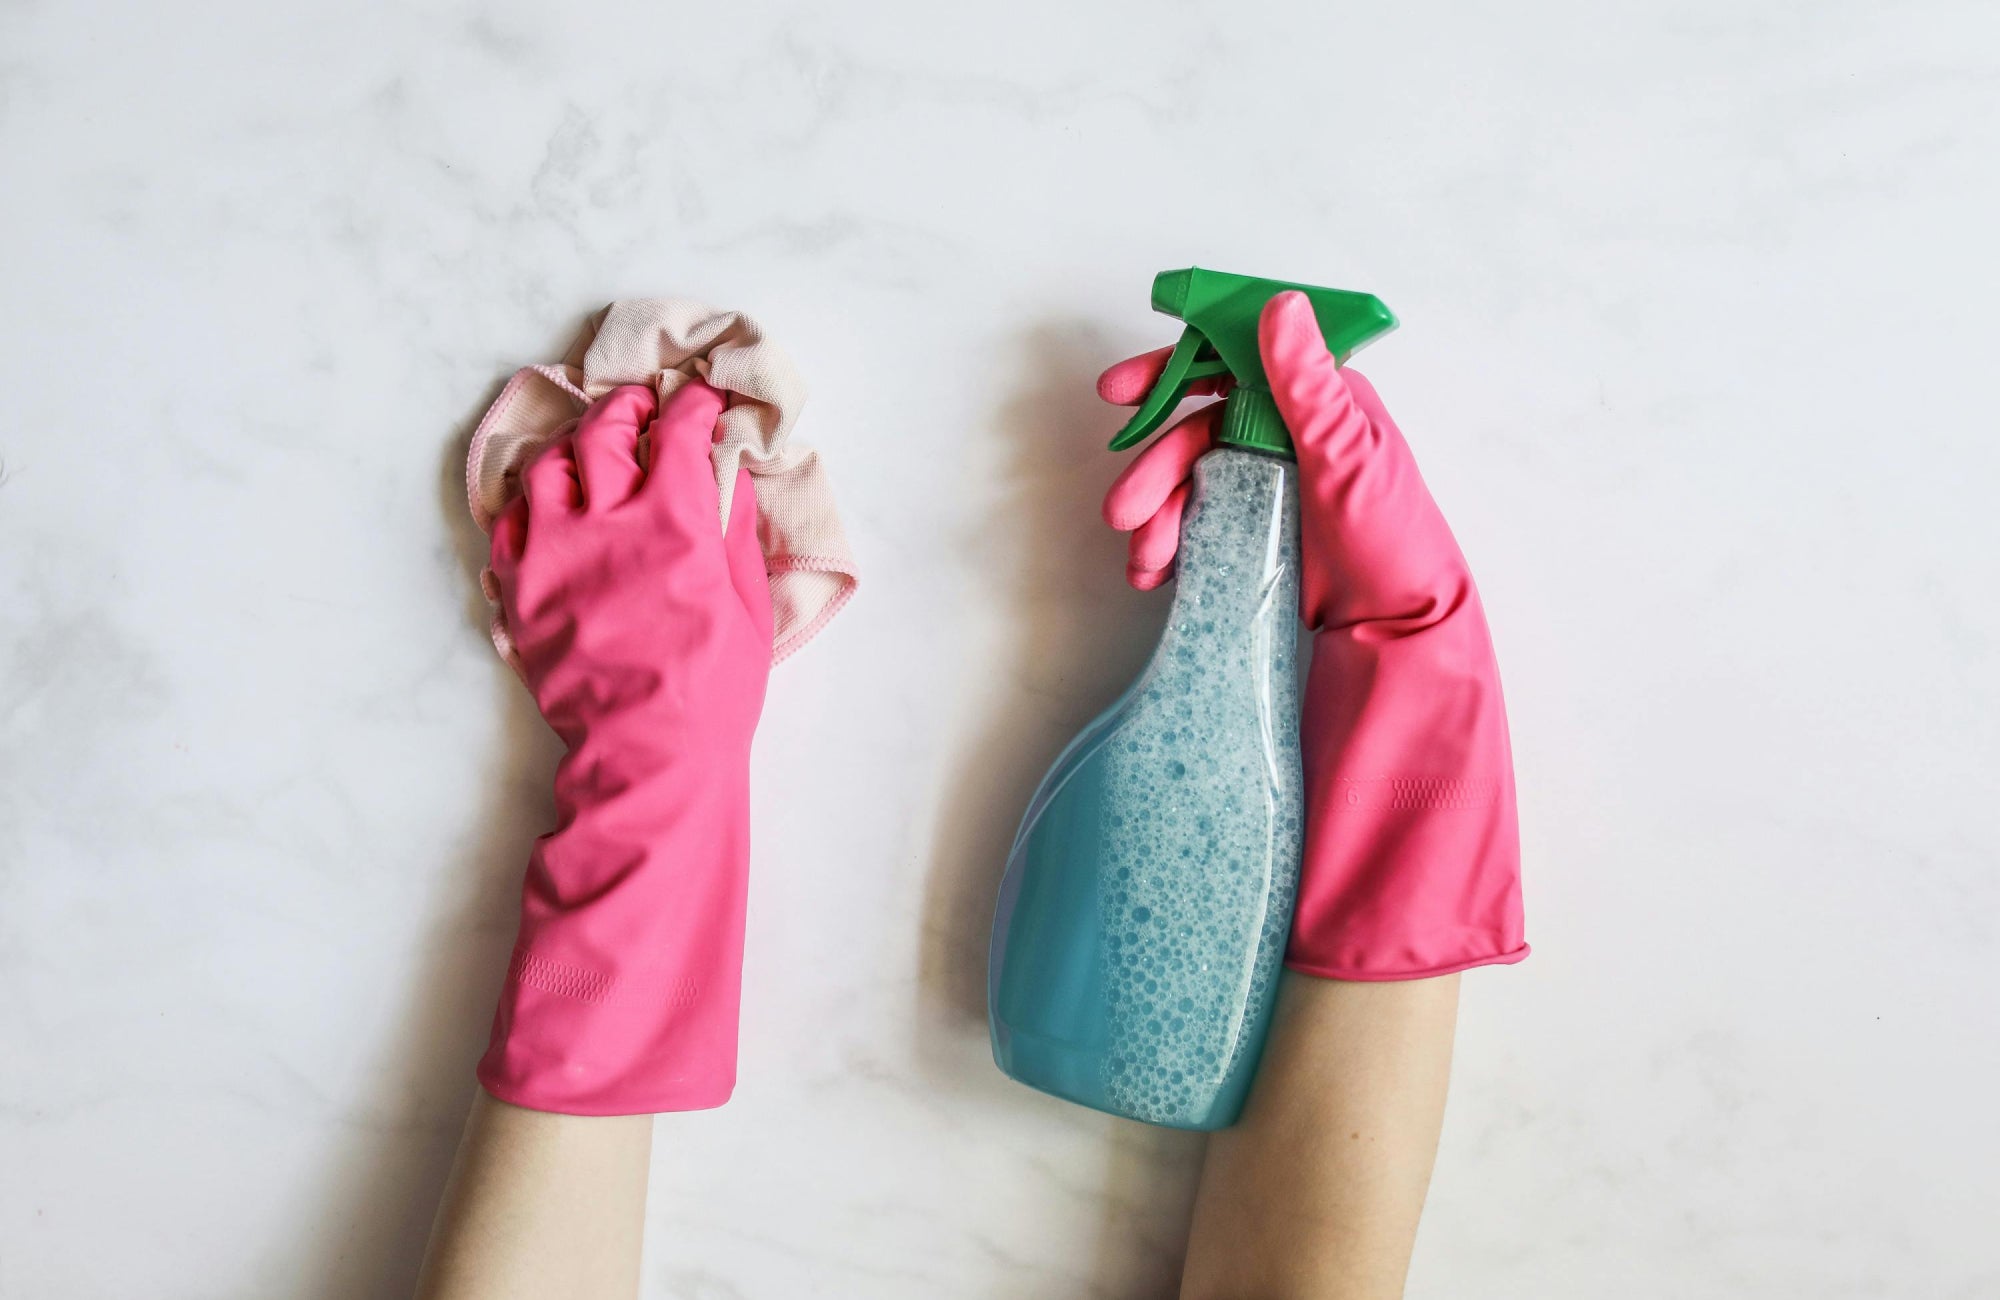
(1143, 916)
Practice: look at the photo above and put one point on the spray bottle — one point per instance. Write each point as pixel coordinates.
(1143, 916)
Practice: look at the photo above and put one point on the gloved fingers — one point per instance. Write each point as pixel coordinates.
(549, 483)
(1128, 382)
(680, 478)
(746, 556)
(1310, 390)
(1370, 402)
(1155, 541)
(1156, 472)
(510, 537)
(1376, 548)
(607, 445)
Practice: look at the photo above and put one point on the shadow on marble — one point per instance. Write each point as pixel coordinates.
(384, 1193)
(1079, 635)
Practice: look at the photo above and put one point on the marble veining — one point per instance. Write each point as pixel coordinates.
(1698, 318)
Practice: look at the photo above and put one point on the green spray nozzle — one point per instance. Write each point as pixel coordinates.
(1221, 312)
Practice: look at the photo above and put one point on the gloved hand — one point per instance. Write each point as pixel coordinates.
(644, 633)
(1412, 852)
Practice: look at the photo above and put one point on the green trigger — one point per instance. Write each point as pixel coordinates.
(1223, 314)
(1192, 359)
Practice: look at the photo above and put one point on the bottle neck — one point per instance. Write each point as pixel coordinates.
(1250, 419)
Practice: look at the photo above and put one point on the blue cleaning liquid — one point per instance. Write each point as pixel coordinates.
(1143, 916)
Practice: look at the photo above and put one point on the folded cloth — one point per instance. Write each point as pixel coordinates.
(664, 342)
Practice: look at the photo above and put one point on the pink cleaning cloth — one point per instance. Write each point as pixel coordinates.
(663, 343)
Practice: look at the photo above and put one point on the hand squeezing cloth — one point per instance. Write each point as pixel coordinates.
(663, 343)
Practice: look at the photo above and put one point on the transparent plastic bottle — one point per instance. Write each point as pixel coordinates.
(1143, 916)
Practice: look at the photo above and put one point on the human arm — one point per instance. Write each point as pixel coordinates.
(643, 631)
(540, 1205)
(1316, 1192)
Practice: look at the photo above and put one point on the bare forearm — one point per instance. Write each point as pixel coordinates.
(1317, 1191)
(541, 1205)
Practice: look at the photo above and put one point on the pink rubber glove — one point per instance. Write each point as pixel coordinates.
(644, 634)
(1412, 862)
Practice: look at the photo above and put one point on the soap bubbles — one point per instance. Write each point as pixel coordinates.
(1203, 821)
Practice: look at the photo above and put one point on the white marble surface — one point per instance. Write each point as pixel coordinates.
(1699, 303)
